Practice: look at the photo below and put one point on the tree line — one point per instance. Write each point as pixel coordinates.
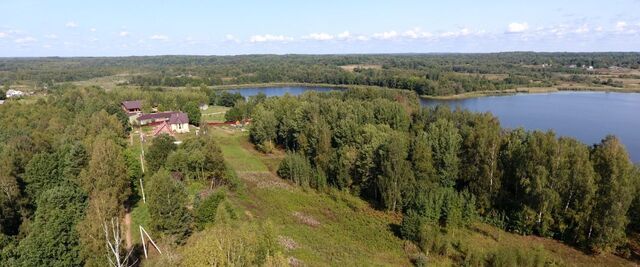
(427, 74)
(66, 168)
(451, 167)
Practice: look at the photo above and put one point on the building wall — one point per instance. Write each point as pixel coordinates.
(180, 128)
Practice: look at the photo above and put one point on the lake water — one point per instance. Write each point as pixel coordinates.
(587, 116)
(280, 91)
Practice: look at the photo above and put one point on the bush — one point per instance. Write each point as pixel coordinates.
(266, 147)
(420, 260)
(296, 168)
(205, 213)
(509, 256)
(242, 244)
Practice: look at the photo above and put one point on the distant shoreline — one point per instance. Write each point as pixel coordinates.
(532, 90)
(467, 95)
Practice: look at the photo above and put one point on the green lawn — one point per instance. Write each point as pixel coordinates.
(233, 147)
(214, 114)
(139, 216)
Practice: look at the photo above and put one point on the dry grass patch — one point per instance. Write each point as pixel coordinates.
(360, 66)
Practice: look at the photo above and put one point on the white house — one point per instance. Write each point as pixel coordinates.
(179, 122)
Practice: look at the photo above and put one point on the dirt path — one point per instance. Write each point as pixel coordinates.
(127, 229)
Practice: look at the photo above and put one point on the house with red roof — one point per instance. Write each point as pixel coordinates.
(178, 122)
(133, 109)
(132, 106)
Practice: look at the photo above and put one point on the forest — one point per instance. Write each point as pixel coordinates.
(426, 74)
(444, 168)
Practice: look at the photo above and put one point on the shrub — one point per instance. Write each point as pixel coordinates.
(266, 147)
(420, 260)
(296, 168)
(205, 213)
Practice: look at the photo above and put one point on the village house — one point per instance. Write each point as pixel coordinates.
(133, 109)
(132, 106)
(177, 121)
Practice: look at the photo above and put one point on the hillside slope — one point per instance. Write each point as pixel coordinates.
(338, 229)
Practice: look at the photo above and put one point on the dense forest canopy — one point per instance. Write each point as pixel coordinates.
(427, 74)
(441, 167)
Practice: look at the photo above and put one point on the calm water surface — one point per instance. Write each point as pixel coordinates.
(280, 91)
(587, 116)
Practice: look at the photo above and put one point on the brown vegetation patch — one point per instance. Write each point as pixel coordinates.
(287, 242)
(293, 262)
(263, 180)
(306, 219)
(360, 66)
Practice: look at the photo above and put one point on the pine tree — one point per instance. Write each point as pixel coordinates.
(167, 200)
(445, 142)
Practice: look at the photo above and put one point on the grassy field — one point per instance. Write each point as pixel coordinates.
(322, 229)
(214, 114)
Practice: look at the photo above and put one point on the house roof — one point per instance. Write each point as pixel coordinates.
(129, 105)
(155, 116)
(178, 118)
(173, 117)
(162, 128)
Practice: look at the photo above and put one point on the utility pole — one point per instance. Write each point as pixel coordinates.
(143, 232)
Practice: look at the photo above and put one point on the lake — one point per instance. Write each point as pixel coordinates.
(280, 91)
(587, 116)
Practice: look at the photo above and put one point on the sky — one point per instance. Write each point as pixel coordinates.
(30, 28)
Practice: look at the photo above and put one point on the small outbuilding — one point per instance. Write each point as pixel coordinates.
(132, 106)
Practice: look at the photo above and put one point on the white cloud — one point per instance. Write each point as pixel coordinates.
(582, 29)
(93, 30)
(516, 27)
(319, 36)
(621, 25)
(124, 33)
(51, 36)
(344, 35)
(231, 38)
(362, 38)
(385, 35)
(71, 24)
(269, 38)
(159, 37)
(458, 33)
(3, 34)
(47, 46)
(25, 40)
(416, 33)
